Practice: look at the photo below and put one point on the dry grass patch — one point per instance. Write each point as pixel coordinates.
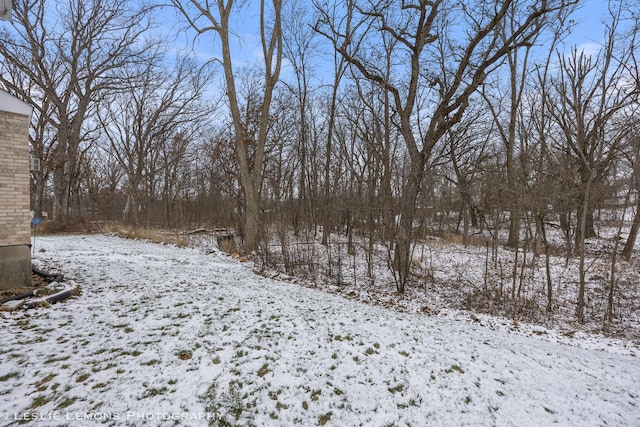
(153, 235)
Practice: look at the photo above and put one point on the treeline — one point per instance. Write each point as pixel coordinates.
(373, 118)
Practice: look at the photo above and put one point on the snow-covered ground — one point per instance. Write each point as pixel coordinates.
(175, 336)
(470, 278)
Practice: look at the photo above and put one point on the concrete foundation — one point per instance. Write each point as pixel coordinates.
(15, 267)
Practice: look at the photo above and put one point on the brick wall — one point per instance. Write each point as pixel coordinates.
(14, 179)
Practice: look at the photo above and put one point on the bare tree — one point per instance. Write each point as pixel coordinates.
(634, 160)
(589, 97)
(339, 67)
(468, 149)
(139, 123)
(633, 76)
(299, 48)
(425, 33)
(73, 60)
(204, 18)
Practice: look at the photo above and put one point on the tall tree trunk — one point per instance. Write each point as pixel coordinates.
(585, 209)
(513, 239)
(633, 233)
(252, 223)
(581, 231)
(38, 194)
(127, 209)
(326, 209)
(468, 216)
(60, 182)
(251, 174)
(404, 231)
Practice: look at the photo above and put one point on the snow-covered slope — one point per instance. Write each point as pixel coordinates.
(166, 336)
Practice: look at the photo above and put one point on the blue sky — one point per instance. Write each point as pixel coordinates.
(246, 50)
(589, 19)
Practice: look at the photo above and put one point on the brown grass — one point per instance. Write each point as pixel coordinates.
(153, 235)
(79, 225)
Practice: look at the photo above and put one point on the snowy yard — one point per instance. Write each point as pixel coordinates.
(173, 336)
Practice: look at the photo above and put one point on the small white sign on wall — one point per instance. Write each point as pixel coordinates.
(34, 163)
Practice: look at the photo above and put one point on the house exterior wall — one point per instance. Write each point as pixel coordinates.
(15, 233)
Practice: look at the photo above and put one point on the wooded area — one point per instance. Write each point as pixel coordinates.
(380, 122)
